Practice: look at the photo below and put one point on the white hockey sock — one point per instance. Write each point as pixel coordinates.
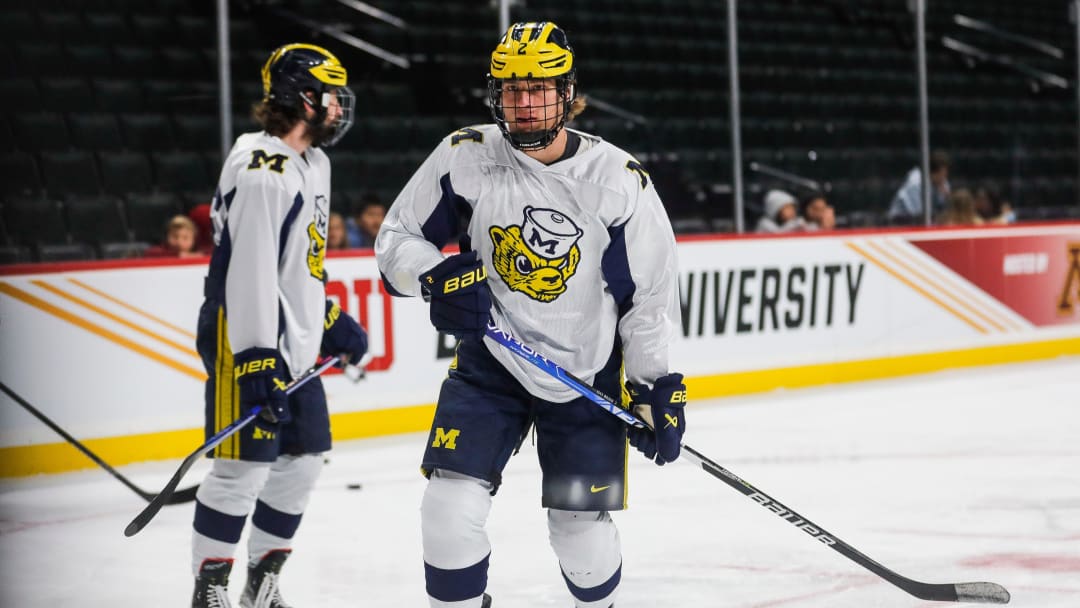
(453, 514)
(281, 504)
(225, 498)
(590, 555)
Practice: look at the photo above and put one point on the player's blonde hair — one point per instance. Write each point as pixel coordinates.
(577, 107)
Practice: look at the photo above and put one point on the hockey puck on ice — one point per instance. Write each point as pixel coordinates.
(354, 486)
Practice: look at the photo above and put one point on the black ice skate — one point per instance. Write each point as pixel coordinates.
(262, 589)
(212, 584)
(487, 601)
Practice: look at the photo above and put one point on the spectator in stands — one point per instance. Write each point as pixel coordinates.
(960, 210)
(180, 236)
(781, 214)
(204, 239)
(992, 209)
(906, 206)
(817, 213)
(364, 225)
(337, 235)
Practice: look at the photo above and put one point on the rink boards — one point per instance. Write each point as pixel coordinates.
(106, 350)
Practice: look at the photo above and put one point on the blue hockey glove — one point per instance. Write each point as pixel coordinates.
(342, 336)
(460, 299)
(666, 401)
(260, 375)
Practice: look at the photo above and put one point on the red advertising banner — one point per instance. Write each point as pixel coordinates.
(1038, 277)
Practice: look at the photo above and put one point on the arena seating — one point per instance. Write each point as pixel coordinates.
(112, 104)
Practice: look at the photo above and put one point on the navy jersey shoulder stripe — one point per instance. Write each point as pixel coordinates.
(214, 287)
(286, 226)
(450, 216)
(615, 266)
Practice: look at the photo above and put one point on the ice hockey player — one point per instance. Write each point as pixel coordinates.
(567, 246)
(265, 320)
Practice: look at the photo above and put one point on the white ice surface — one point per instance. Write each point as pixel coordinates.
(952, 477)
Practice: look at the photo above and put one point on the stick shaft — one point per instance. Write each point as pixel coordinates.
(989, 593)
(186, 495)
(155, 505)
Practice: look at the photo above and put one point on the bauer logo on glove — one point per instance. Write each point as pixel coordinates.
(260, 379)
(458, 291)
(665, 401)
(343, 336)
(471, 277)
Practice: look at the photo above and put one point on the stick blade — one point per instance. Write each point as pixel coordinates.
(982, 593)
(183, 496)
(145, 515)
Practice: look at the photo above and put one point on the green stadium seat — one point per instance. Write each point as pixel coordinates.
(147, 131)
(65, 252)
(97, 131)
(65, 94)
(115, 95)
(70, 172)
(181, 171)
(33, 220)
(96, 219)
(196, 131)
(148, 213)
(37, 131)
(20, 172)
(125, 171)
(107, 27)
(93, 60)
(15, 254)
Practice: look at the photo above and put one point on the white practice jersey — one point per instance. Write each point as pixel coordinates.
(270, 218)
(577, 252)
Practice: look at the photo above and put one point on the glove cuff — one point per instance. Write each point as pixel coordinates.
(333, 312)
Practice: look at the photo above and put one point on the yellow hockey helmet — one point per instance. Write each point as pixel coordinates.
(298, 74)
(532, 51)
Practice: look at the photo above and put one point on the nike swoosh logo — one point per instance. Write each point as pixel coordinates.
(595, 489)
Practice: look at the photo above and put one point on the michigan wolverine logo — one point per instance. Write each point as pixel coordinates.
(538, 257)
(317, 230)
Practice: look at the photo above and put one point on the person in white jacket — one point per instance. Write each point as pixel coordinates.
(781, 214)
(906, 205)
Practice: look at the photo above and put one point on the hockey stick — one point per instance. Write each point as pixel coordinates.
(155, 505)
(982, 593)
(185, 495)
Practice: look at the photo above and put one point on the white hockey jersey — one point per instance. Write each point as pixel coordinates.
(270, 216)
(575, 251)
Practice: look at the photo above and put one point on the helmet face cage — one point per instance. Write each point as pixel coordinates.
(529, 98)
(299, 75)
(532, 84)
(327, 134)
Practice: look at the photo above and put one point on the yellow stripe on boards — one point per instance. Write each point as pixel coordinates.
(18, 461)
(56, 311)
(742, 383)
(960, 301)
(926, 294)
(953, 284)
(377, 423)
(138, 311)
(184, 348)
(59, 457)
